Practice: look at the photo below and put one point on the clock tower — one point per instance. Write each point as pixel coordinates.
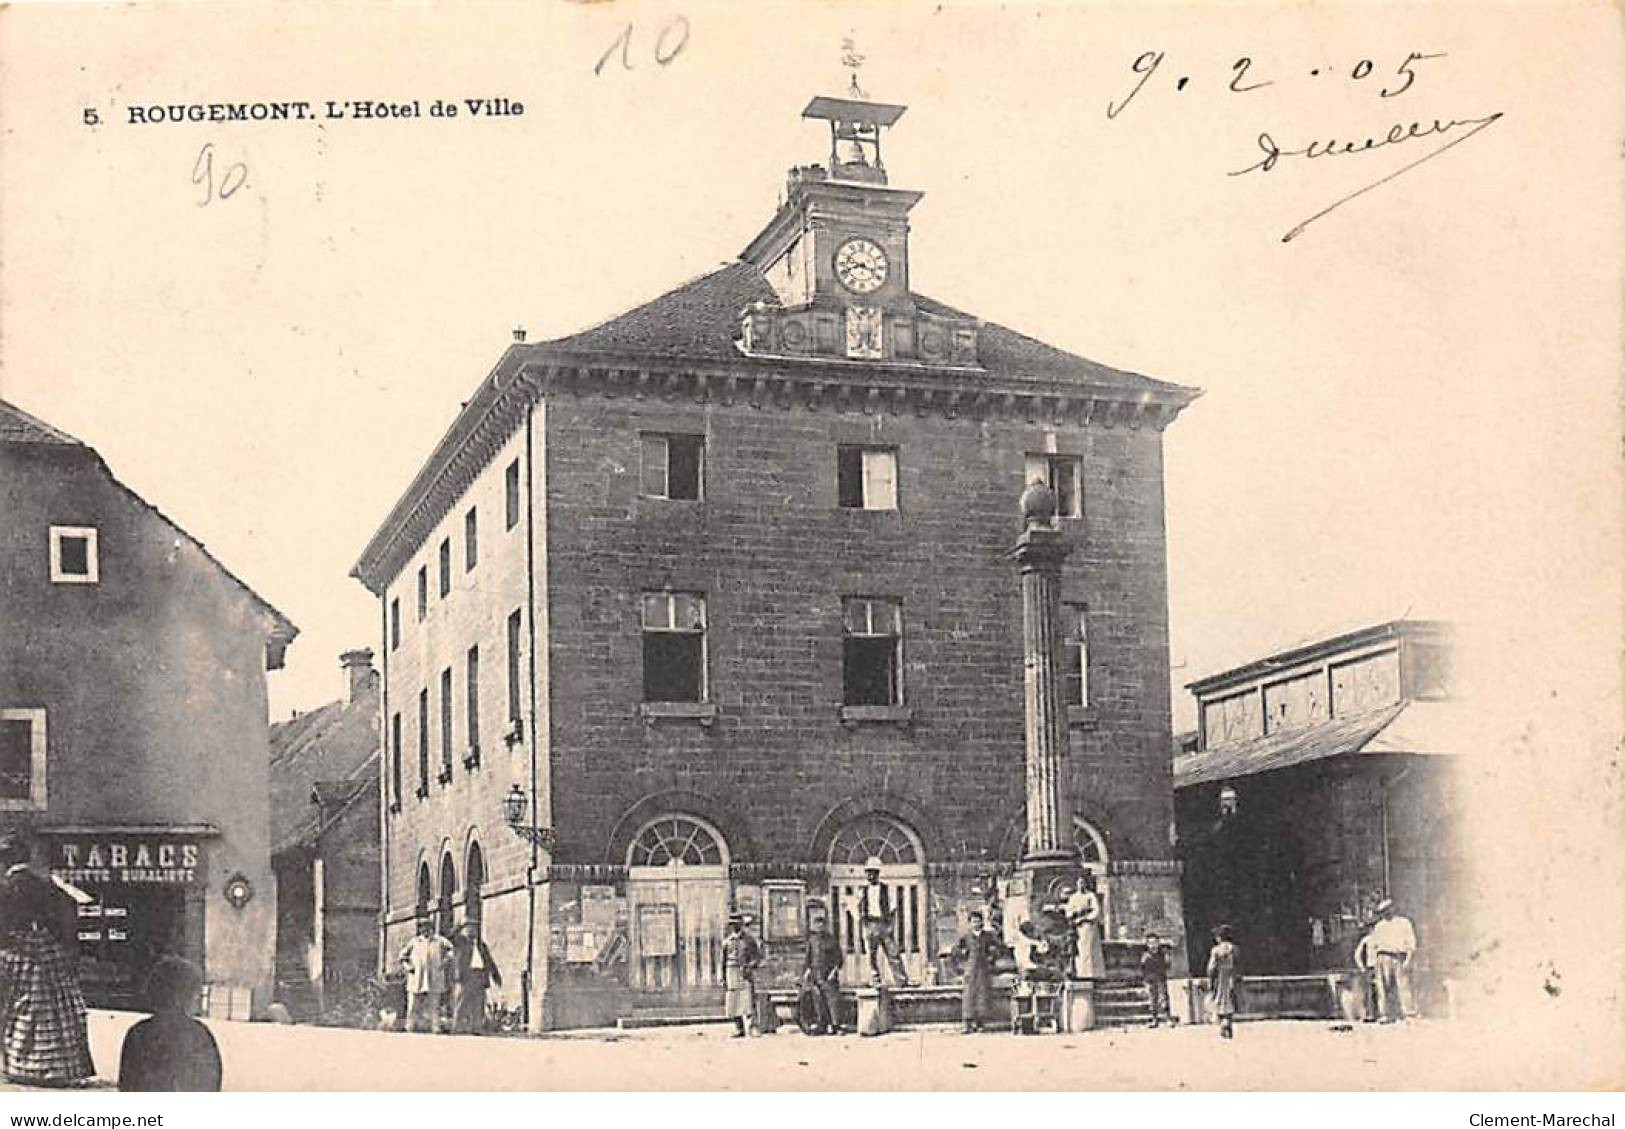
(836, 255)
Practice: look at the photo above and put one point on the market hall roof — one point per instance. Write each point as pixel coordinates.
(1408, 728)
(686, 340)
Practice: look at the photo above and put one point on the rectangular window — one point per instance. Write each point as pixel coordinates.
(423, 592)
(471, 539)
(1062, 474)
(74, 557)
(445, 725)
(510, 484)
(395, 761)
(674, 466)
(423, 742)
(872, 667)
(1075, 653)
(673, 647)
(395, 623)
(22, 759)
(473, 699)
(866, 477)
(514, 702)
(445, 567)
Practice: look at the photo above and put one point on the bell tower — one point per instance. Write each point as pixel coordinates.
(836, 255)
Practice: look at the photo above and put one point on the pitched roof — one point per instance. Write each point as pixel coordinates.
(332, 750)
(17, 426)
(1378, 731)
(700, 320)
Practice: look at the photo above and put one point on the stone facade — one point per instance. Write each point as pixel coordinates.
(765, 785)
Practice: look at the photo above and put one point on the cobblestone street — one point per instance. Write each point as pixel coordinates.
(1263, 1056)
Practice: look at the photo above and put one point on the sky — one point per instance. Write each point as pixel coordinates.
(1411, 408)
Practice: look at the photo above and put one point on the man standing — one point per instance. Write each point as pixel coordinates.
(823, 971)
(475, 970)
(426, 960)
(740, 956)
(1393, 940)
(876, 912)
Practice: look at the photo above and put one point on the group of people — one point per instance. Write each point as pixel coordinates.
(446, 980)
(44, 1023)
(1385, 953)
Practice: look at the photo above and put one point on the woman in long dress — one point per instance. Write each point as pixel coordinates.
(44, 1038)
(975, 954)
(740, 956)
(1221, 976)
(1083, 911)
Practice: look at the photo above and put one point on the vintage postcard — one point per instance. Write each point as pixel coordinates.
(805, 546)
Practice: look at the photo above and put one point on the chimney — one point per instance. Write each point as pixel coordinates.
(358, 671)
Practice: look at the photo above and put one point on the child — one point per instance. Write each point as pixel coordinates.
(1154, 973)
(1221, 975)
(170, 1050)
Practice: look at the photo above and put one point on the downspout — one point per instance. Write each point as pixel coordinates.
(535, 800)
(384, 766)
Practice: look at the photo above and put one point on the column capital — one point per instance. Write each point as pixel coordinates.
(1040, 549)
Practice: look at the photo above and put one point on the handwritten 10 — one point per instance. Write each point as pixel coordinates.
(1243, 81)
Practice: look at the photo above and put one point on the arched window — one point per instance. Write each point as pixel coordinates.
(875, 836)
(677, 840)
(448, 893)
(473, 880)
(425, 890)
(1091, 846)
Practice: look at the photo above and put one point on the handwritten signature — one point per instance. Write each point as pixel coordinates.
(1398, 135)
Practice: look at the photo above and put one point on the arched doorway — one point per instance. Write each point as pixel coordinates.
(446, 920)
(902, 872)
(473, 881)
(677, 901)
(1092, 854)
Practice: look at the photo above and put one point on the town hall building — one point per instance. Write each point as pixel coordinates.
(696, 611)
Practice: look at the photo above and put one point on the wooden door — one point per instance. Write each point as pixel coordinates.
(678, 917)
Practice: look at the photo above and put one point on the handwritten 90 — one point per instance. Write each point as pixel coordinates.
(1243, 80)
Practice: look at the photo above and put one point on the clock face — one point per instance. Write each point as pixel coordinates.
(861, 266)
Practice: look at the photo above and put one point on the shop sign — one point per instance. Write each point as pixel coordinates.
(146, 861)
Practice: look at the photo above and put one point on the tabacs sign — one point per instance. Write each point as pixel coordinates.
(151, 862)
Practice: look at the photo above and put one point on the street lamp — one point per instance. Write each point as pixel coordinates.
(514, 807)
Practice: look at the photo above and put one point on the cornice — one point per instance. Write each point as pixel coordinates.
(835, 385)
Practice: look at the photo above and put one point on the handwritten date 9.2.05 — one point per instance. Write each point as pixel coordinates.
(1244, 79)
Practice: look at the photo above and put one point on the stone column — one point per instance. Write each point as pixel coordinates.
(1039, 554)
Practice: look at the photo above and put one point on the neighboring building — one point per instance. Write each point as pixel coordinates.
(718, 594)
(324, 849)
(133, 741)
(1319, 787)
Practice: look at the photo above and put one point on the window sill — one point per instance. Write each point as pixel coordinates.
(515, 732)
(894, 715)
(703, 712)
(471, 757)
(422, 792)
(1081, 717)
(394, 807)
(445, 775)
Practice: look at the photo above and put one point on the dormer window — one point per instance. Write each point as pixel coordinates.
(74, 558)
